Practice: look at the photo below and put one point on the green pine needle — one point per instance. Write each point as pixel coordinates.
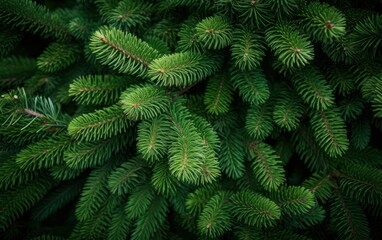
(144, 102)
(122, 51)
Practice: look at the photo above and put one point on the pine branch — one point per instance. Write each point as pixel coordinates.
(128, 176)
(314, 216)
(360, 134)
(348, 218)
(129, 14)
(214, 32)
(144, 102)
(292, 48)
(166, 29)
(38, 113)
(320, 185)
(139, 201)
(248, 49)
(13, 176)
(311, 85)
(218, 94)
(57, 56)
(255, 210)
(122, 51)
(367, 34)
(357, 181)
(97, 89)
(288, 110)
(256, 13)
(186, 150)
(342, 81)
(259, 122)
(253, 87)
(163, 181)
(285, 8)
(96, 227)
(101, 124)
(197, 199)
(330, 132)
(309, 150)
(82, 155)
(266, 165)
(16, 202)
(231, 155)
(32, 17)
(323, 22)
(15, 70)
(152, 138)
(182, 69)
(120, 225)
(94, 194)
(63, 172)
(294, 200)
(43, 154)
(188, 40)
(152, 221)
(215, 218)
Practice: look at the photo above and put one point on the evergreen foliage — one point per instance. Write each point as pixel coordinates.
(190, 119)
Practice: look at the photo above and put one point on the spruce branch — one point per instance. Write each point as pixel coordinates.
(57, 56)
(16, 70)
(214, 32)
(330, 132)
(16, 202)
(32, 17)
(122, 51)
(101, 124)
(291, 47)
(144, 102)
(182, 69)
(248, 49)
(94, 194)
(294, 200)
(12, 176)
(259, 122)
(320, 185)
(311, 85)
(252, 85)
(254, 209)
(126, 177)
(266, 165)
(129, 14)
(215, 218)
(152, 138)
(43, 154)
(84, 155)
(256, 13)
(163, 181)
(218, 95)
(97, 89)
(323, 22)
(348, 218)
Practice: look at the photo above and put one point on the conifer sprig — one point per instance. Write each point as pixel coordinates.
(182, 69)
(290, 46)
(32, 17)
(122, 51)
(324, 22)
(197, 119)
(144, 102)
(214, 32)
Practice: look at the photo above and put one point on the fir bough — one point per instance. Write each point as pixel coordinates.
(190, 119)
